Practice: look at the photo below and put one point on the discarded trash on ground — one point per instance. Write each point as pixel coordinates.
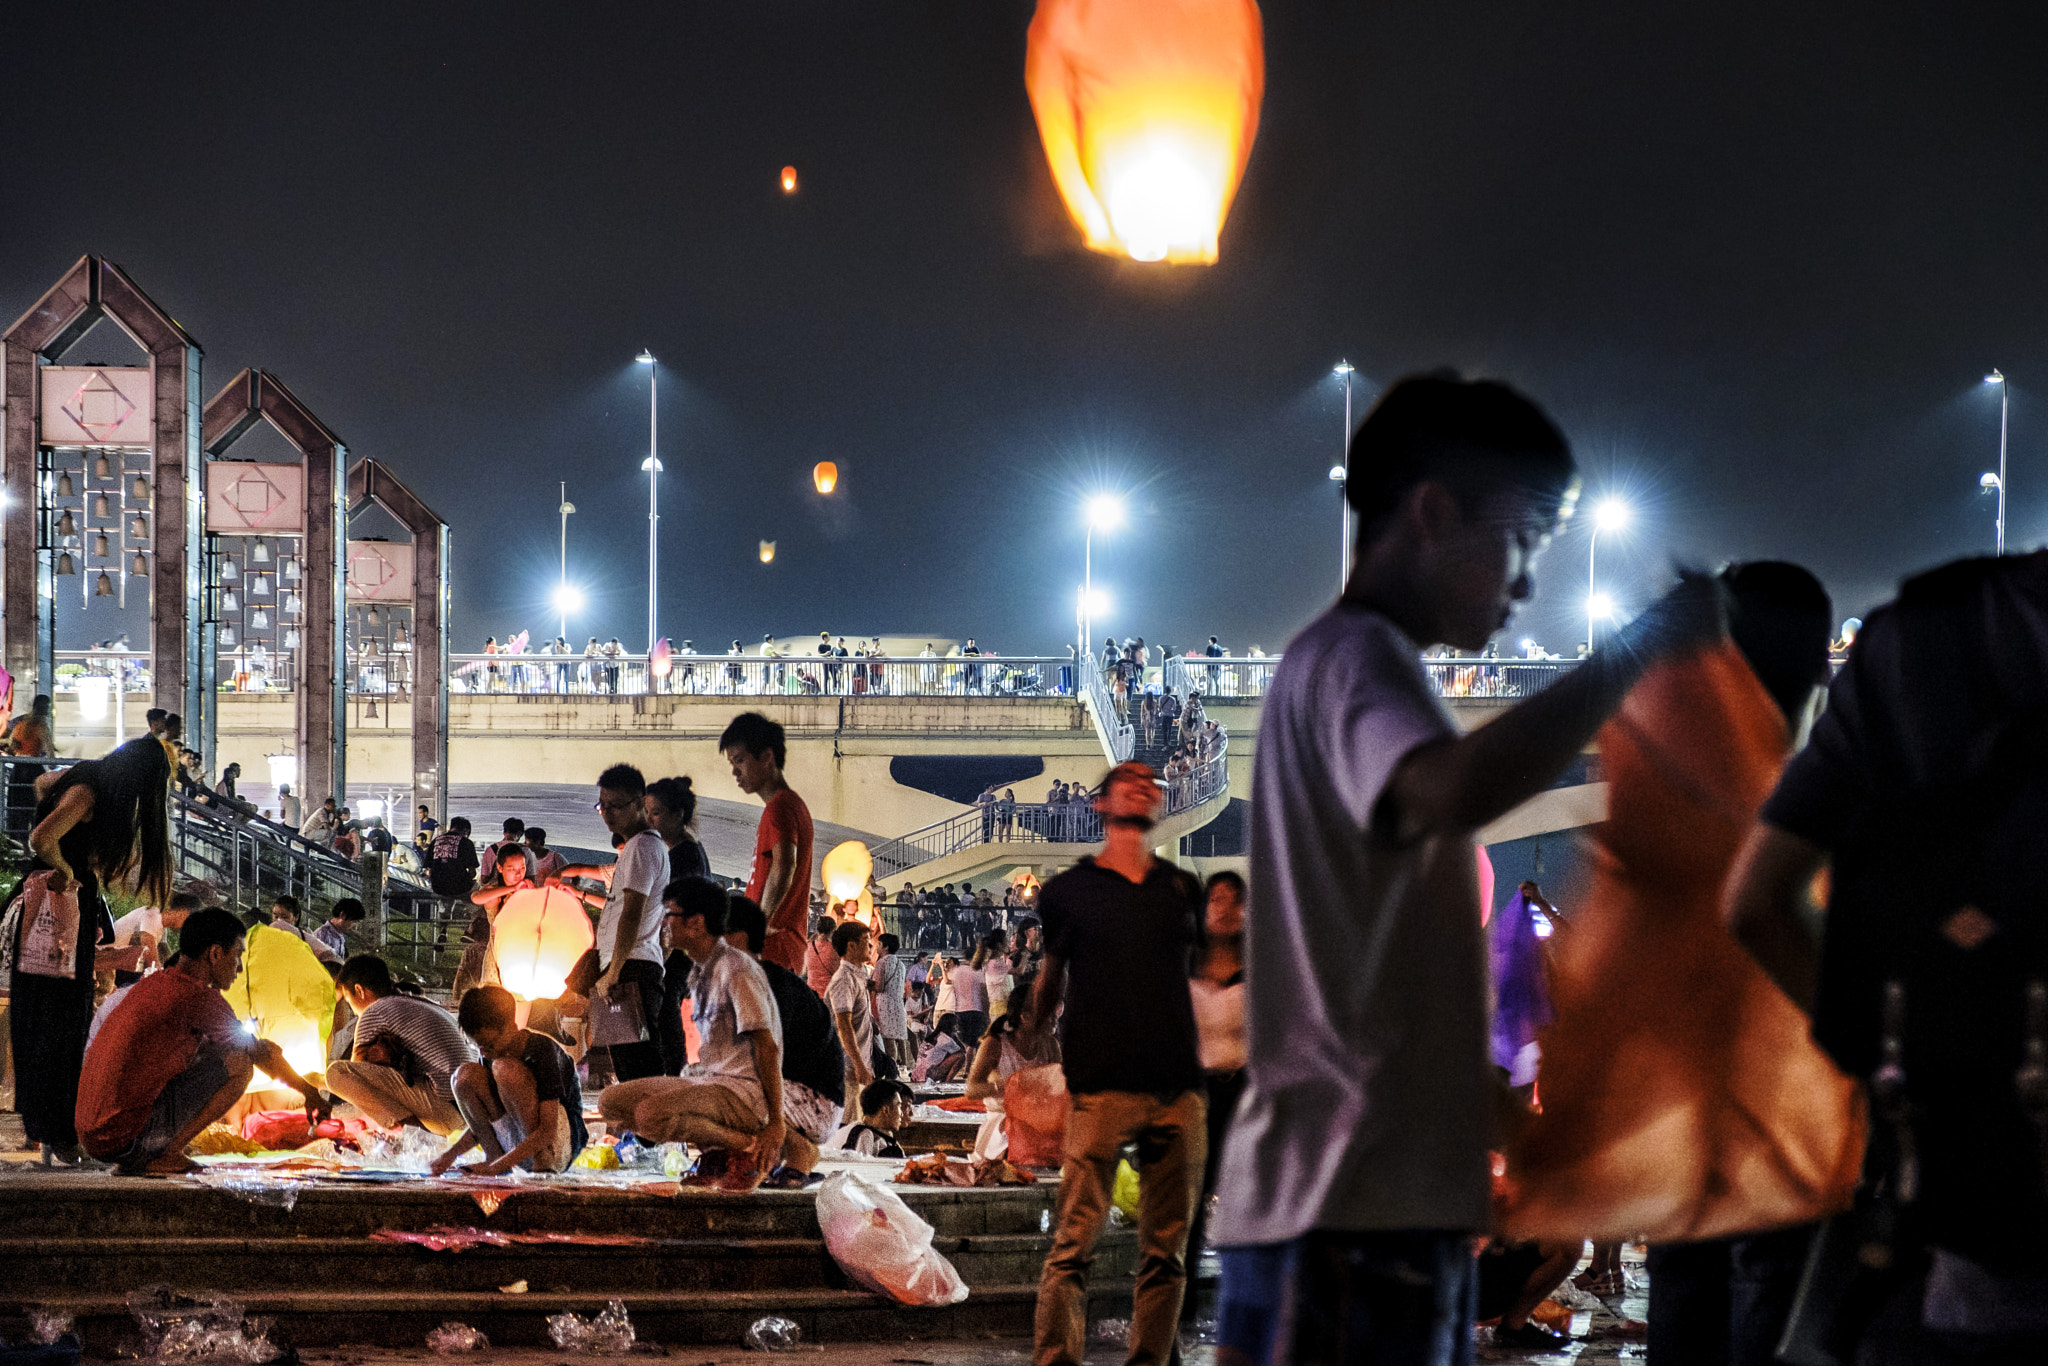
(773, 1335)
(47, 1325)
(200, 1327)
(881, 1243)
(608, 1334)
(1113, 1330)
(452, 1339)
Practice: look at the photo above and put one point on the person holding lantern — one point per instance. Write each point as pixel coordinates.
(757, 749)
(629, 958)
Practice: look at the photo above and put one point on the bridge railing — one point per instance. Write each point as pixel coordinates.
(1119, 737)
(1039, 822)
(1229, 676)
(1251, 676)
(81, 671)
(751, 676)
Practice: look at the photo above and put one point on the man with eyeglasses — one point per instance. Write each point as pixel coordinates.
(629, 930)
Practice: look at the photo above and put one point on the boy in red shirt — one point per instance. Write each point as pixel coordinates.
(781, 878)
(172, 1058)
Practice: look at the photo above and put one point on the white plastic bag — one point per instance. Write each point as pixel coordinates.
(881, 1243)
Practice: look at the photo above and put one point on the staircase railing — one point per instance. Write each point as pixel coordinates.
(1039, 822)
(1117, 736)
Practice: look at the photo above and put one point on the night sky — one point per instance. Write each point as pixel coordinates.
(1755, 258)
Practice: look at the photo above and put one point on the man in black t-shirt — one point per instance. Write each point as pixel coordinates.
(1120, 928)
(521, 1102)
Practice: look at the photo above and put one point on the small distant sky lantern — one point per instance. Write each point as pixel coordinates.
(789, 180)
(846, 871)
(1148, 110)
(767, 552)
(825, 475)
(539, 934)
(287, 997)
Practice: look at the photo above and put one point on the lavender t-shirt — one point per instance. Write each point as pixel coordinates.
(1368, 1104)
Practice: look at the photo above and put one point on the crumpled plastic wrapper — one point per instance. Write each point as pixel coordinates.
(406, 1149)
(203, 1327)
(47, 1325)
(274, 1191)
(608, 1334)
(1116, 1331)
(773, 1335)
(453, 1339)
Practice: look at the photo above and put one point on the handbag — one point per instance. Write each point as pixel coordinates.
(618, 1016)
(49, 929)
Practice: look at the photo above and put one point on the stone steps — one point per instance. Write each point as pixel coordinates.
(82, 1242)
(403, 1318)
(30, 1267)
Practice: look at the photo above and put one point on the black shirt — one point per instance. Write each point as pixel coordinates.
(554, 1078)
(810, 1041)
(1130, 1021)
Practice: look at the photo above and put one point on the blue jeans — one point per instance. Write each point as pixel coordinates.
(1387, 1297)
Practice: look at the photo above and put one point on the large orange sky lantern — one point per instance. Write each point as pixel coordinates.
(539, 934)
(1147, 109)
(825, 476)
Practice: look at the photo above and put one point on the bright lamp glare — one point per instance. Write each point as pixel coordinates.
(568, 598)
(1336, 474)
(1105, 510)
(1995, 377)
(645, 358)
(1600, 607)
(1094, 603)
(1989, 481)
(1611, 515)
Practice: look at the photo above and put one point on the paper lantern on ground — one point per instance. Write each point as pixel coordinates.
(1148, 110)
(539, 934)
(289, 998)
(825, 475)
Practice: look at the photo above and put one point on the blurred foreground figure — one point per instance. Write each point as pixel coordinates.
(1682, 1099)
(1357, 1168)
(1926, 782)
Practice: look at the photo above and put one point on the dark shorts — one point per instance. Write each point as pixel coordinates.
(177, 1105)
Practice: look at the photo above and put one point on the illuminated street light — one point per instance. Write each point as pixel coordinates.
(1104, 510)
(652, 464)
(562, 589)
(1997, 481)
(1610, 515)
(568, 598)
(1339, 475)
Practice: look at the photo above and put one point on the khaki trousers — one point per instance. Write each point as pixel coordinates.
(680, 1110)
(384, 1096)
(1172, 1145)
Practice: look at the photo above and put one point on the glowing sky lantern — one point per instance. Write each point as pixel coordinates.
(1147, 109)
(789, 180)
(767, 552)
(825, 475)
(289, 998)
(539, 934)
(846, 871)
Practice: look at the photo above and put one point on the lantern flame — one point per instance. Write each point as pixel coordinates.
(539, 934)
(825, 475)
(1148, 110)
(789, 180)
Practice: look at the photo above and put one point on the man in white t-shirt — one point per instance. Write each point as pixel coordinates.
(1356, 1170)
(629, 930)
(730, 1099)
(847, 994)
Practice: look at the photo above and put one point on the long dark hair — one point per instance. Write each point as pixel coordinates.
(130, 826)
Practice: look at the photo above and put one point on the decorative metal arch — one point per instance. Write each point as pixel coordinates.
(258, 396)
(93, 289)
(372, 482)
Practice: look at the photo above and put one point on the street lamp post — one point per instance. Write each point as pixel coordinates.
(1611, 515)
(1106, 512)
(2004, 404)
(562, 583)
(653, 467)
(1340, 474)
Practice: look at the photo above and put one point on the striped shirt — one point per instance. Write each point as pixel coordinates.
(429, 1044)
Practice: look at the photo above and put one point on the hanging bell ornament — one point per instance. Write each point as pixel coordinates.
(103, 468)
(105, 589)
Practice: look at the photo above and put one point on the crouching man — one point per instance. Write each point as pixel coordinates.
(406, 1053)
(172, 1058)
(521, 1103)
(730, 1100)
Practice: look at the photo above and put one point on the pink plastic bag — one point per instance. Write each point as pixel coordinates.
(49, 928)
(1035, 1108)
